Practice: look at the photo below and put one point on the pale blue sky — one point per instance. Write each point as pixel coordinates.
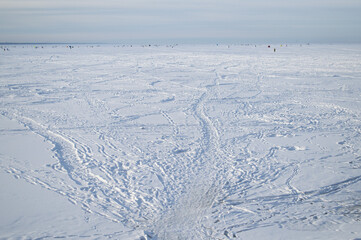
(198, 21)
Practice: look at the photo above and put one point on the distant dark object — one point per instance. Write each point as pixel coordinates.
(269, 46)
(274, 50)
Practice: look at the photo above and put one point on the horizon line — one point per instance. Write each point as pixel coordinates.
(174, 43)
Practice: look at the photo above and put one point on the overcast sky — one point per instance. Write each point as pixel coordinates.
(198, 21)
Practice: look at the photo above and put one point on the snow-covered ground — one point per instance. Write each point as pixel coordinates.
(180, 142)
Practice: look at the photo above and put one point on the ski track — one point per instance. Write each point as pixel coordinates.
(189, 144)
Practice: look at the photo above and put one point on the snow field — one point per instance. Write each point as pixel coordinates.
(189, 142)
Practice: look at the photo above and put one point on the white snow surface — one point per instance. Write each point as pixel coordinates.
(180, 142)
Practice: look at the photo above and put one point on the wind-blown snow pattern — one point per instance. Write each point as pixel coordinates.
(189, 142)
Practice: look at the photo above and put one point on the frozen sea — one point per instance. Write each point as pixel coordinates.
(180, 142)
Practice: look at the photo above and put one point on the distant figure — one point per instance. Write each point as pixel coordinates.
(274, 50)
(269, 46)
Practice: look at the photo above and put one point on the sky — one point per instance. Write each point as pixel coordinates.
(180, 21)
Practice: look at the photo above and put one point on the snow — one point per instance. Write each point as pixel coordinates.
(180, 142)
